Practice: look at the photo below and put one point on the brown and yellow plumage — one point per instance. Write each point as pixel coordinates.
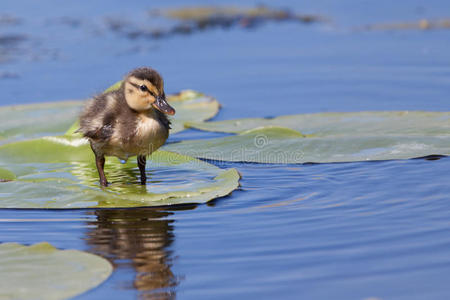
(129, 121)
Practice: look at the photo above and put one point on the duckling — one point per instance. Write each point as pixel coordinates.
(130, 121)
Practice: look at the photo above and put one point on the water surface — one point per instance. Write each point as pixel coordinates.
(347, 230)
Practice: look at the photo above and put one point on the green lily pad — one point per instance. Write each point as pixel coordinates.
(395, 123)
(189, 105)
(21, 122)
(59, 172)
(286, 146)
(34, 120)
(329, 137)
(41, 271)
(6, 175)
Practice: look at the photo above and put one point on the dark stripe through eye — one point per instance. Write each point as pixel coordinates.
(143, 88)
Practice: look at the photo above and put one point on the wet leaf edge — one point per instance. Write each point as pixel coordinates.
(45, 247)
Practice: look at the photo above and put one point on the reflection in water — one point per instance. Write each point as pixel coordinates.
(140, 238)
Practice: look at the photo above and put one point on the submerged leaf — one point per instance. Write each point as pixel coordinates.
(41, 271)
(269, 145)
(59, 172)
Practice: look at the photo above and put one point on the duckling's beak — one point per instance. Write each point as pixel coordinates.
(164, 107)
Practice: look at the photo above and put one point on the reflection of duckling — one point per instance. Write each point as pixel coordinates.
(129, 121)
(140, 239)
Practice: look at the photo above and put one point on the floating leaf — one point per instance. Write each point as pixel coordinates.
(397, 123)
(37, 120)
(189, 105)
(6, 175)
(114, 87)
(59, 172)
(41, 271)
(278, 145)
(33, 120)
(330, 137)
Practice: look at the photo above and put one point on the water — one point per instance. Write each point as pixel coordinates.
(347, 230)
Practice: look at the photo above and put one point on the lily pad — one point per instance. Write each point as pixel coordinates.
(329, 137)
(286, 146)
(34, 120)
(6, 175)
(395, 123)
(59, 172)
(189, 105)
(21, 122)
(41, 271)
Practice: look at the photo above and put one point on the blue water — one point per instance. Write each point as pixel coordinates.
(343, 231)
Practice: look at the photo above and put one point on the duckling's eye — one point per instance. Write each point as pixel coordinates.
(143, 88)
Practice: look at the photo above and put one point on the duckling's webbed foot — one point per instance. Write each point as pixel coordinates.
(141, 161)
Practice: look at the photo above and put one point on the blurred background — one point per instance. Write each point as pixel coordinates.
(295, 56)
(346, 231)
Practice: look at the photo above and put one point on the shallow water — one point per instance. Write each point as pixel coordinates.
(347, 230)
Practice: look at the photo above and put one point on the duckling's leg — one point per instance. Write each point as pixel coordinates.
(142, 160)
(100, 163)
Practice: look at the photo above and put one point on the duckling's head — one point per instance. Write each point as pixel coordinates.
(144, 90)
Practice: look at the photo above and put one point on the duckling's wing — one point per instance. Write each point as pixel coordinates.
(98, 130)
(96, 121)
